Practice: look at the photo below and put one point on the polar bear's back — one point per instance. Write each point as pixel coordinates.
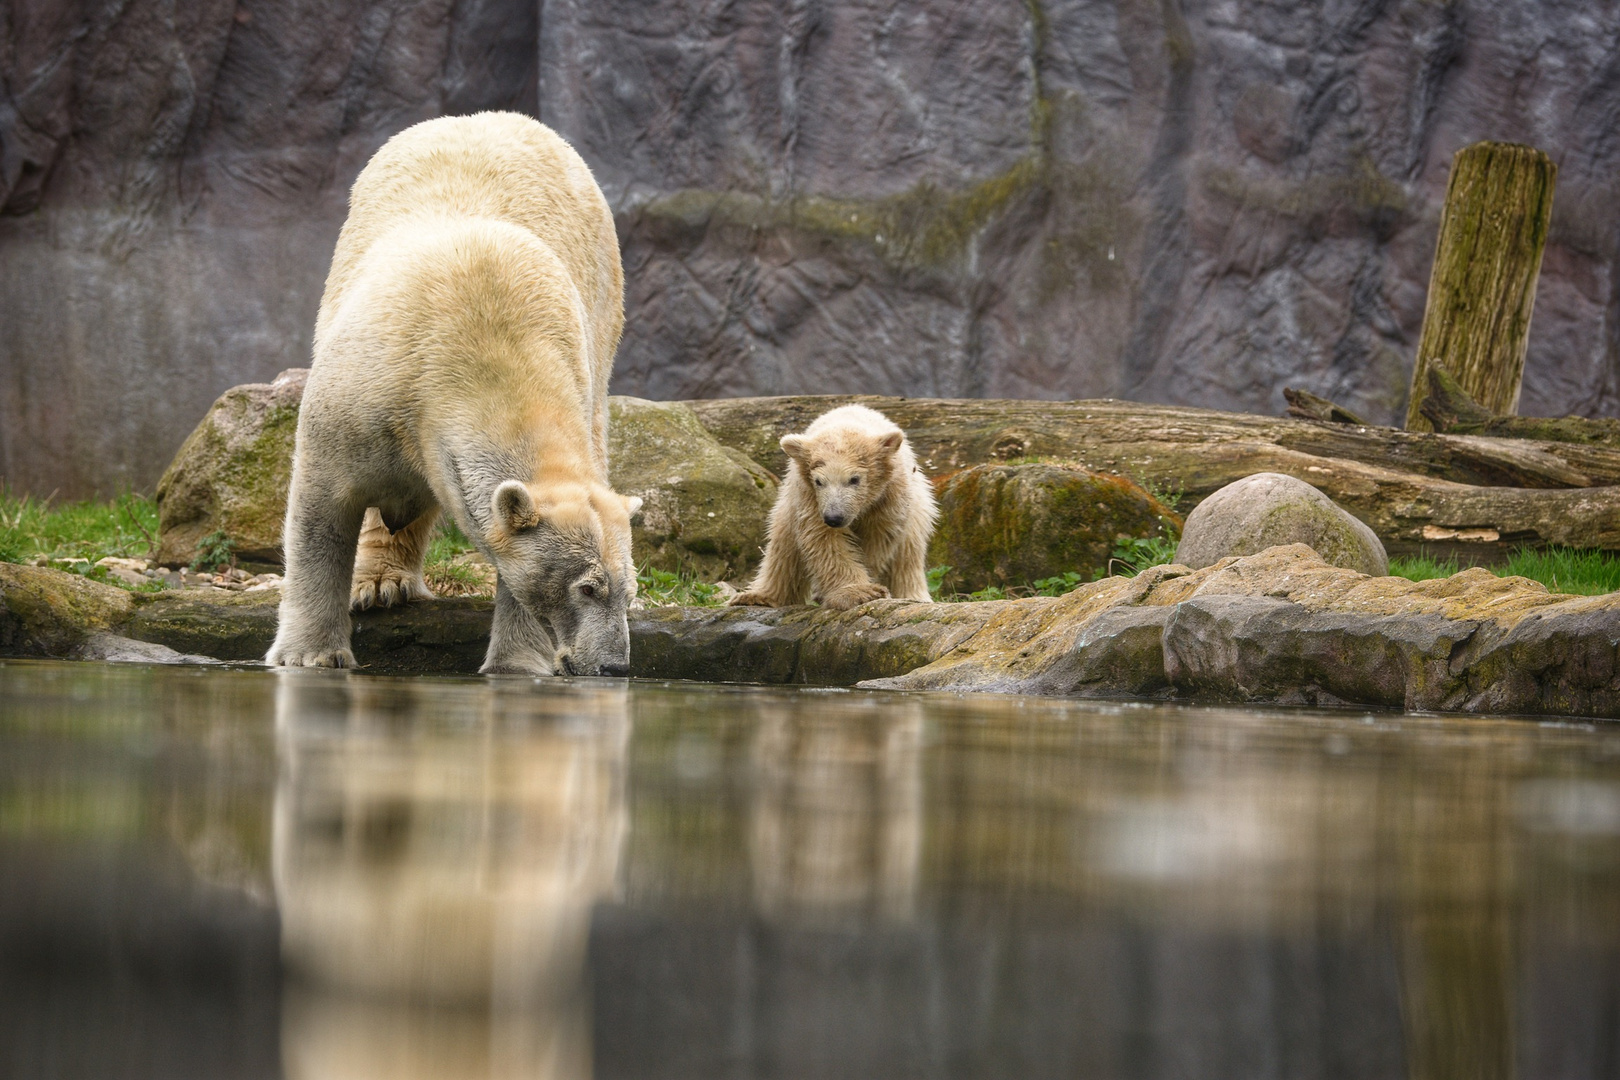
(497, 166)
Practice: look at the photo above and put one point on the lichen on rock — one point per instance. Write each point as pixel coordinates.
(1015, 524)
(47, 612)
(231, 474)
(704, 505)
(1269, 509)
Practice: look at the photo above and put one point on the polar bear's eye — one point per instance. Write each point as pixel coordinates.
(587, 589)
(854, 480)
(818, 481)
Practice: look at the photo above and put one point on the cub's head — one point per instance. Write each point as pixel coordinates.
(563, 551)
(847, 469)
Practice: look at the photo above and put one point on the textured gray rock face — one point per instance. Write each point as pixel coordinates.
(1269, 509)
(172, 179)
(1184, 201)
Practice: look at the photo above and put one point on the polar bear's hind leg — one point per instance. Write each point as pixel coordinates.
(388, 566)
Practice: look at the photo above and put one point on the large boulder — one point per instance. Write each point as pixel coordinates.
(231, 475)
(1016, 524)
(1268, 509)
(704, 505)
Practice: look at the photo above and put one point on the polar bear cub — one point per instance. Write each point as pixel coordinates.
(462, 355)
(852, 521)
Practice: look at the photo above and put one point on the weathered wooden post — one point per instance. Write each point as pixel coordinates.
(1492, 232)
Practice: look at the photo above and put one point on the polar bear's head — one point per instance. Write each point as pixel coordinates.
(847, 468)
(563, 552)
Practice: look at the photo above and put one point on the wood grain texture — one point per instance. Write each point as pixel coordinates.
(1493, 229)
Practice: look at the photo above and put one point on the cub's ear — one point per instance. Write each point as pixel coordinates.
(514, 507)
(632, 503)
(891, 441)
(794, 446)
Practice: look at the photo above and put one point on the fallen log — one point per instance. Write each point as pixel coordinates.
(1450, 410)
(1469, 496)
(1304, 405)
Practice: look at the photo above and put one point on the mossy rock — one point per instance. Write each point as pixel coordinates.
(1270, 509)
(704, 505)
(1016, 524)
(232, 473)
(47, 612)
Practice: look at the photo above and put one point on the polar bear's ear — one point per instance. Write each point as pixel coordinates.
(891, 441)
(793, 446)
(514, 506)
(632, 503)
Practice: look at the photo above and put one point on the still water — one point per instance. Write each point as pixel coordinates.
(215, 873)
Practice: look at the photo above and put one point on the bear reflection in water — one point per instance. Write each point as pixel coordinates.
(435, 865)
(437, 857)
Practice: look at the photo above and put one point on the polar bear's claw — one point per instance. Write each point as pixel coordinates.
(328, 658)
(386, 589)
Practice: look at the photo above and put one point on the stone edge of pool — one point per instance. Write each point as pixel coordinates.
(1281, 626)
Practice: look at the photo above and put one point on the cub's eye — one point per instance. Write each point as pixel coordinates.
(854, 480)
(587, 589)
(818, 481)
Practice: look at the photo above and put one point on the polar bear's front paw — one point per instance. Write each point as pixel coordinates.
(385, 588)
(292, 656)
(848, 596)
(751, 598)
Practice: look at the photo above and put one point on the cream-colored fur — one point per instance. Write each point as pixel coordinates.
(852, 520)
(462, 356)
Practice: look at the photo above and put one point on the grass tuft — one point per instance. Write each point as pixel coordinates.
(32, 528)
(1567, 570)
(1422, 567)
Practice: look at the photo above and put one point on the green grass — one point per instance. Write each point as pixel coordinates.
(1563, 570)
(1422, 567)
(30, 528)
(1566, 570)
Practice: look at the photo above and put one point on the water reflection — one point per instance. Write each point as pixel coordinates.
(329, 875)
(436, 857)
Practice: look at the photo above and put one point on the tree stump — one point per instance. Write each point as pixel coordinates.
(1492, 233)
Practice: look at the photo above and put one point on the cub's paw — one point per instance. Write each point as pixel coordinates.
(848, 596)
(292, 656)
(751, 598)
(385, 588)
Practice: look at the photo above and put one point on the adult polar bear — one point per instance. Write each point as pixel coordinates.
(461, 362)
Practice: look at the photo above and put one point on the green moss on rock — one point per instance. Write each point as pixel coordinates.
(704, 505)
(1014, 524)
(232, 474)
(47, 612)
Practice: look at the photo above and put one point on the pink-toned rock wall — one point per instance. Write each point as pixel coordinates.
(1182, 201)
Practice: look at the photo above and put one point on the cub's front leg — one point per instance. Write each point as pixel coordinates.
(322, 531)
(837, 574)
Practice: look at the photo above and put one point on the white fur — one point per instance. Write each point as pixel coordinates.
(462, 356)
(840, 542)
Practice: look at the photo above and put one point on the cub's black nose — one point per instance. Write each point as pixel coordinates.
(834, 520)
(615, 670)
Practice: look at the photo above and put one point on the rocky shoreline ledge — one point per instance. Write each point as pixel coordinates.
(1281, 626)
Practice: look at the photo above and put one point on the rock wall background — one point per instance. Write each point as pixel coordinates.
(1193, 201)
